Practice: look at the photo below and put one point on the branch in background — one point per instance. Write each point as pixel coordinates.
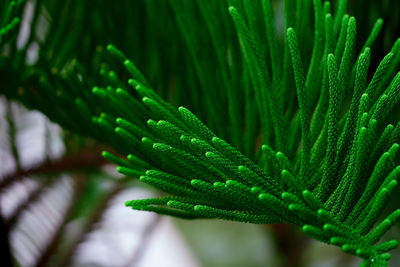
(12, 134)
(144, 241)
(84, 160)
(289, 243)
(98, 211)
(33, 197)
(53, 244)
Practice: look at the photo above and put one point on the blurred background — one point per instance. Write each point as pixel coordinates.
(62, 204)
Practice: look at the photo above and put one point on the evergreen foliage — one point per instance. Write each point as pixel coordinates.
(285, 128)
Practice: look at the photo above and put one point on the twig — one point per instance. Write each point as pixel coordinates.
(82, 161)
(12, 133)
(289, 244)
(96, 217)
(144, 241)
(33, 196)
(53, 244)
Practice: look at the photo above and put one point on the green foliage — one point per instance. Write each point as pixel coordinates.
(8, 19)
(289, 130)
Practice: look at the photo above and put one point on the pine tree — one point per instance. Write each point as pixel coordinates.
(275, 124)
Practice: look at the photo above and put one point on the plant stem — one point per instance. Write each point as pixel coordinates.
(290, 244)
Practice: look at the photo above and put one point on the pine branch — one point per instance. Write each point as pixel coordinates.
(328, 157)
(83, 160)
(9, 20)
